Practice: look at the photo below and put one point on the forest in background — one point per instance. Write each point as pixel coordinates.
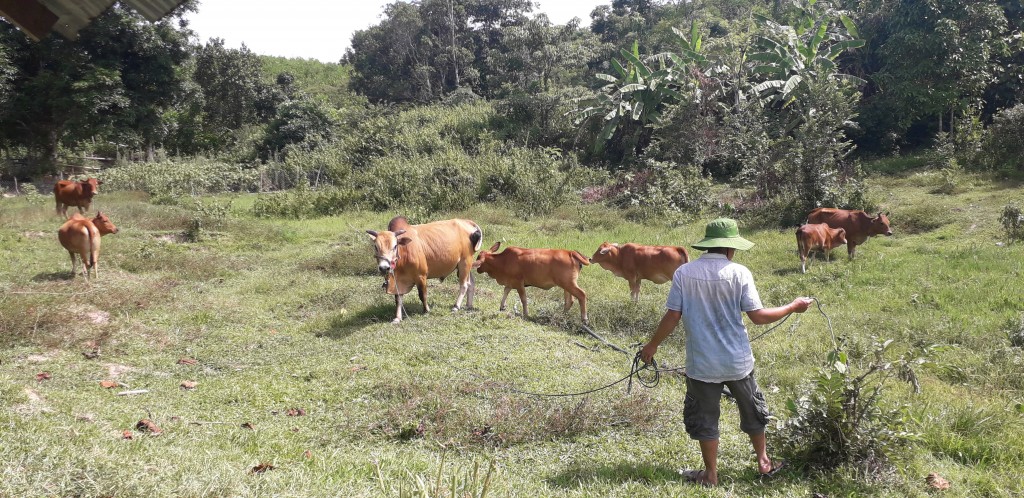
(646, 108)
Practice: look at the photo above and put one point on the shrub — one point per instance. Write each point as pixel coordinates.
(190, 177)
(839, 419)
(1001, 146)
(922, 218)
(1012, 219)
(660, 189)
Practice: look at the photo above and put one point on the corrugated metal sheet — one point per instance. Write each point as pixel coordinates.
(73, 15)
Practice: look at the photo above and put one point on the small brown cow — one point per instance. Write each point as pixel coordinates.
(635, 262)
(407, 255)
(81, 236)
(817, 237)
(858, 225)
(518, 268)
(71, 193)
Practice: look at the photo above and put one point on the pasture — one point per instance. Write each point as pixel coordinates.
(303, 387)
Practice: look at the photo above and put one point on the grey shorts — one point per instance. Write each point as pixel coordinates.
(702, 407)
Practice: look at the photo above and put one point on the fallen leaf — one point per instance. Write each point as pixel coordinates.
(295, 412)
(187, 361)
(108, 384)
(248, 425)
(357, 368)
(41, 376)
(273, 331)
(91, 355)
(175, 418)
(147, 425)
(307, 454)
(127, 435)
(936, 481)
(261, 468)
(188, 384)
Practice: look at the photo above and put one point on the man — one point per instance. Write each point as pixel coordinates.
(709, 295)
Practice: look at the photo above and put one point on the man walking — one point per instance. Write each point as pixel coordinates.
(709, 295)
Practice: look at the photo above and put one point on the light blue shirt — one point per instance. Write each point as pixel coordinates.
(712, 293)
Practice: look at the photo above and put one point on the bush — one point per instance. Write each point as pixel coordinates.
(660, 189)
(190, 177)
(1012, 219)
(1001, 149)
(839, 419)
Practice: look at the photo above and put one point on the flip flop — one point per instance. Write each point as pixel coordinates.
(694, 476)
(776, 467)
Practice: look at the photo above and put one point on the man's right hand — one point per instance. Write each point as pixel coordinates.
(801, 304)
(647, 353)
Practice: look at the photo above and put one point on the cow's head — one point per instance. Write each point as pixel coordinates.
(91, 186)
(838, 236)
(103, 224)
(880, 225)
(606, 252)
(486, 258)
(385, 248)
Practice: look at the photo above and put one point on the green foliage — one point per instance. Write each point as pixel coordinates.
(1002, 144)
(180, 178)
(1012, 220)
(300, 125)
(841, 418)
(321, 80)
(470, 481)
(659, 190)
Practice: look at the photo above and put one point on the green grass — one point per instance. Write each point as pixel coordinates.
(282, 314)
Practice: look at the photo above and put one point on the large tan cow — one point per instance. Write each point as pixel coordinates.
(518, 268)
(817, 237)
(635, 262)
(407, 255)
(81, 236)
(71, 193)
(858, 225)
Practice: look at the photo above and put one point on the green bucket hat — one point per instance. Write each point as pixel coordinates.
(723, 232)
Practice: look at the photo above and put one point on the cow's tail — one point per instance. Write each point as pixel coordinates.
(799, 242)
(581, 259)
(92, 248)
(476, 239)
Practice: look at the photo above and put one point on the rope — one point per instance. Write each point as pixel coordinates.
(651, 380)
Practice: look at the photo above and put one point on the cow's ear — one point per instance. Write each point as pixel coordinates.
(495, 247)
(886, 214)
(99, 182)
(399, 232)
(372, 234)
(604, 250)
(403, 240)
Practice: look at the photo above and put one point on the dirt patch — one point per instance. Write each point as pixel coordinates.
(114, 370)
(36, 404)
(98, 317)
(36, 235)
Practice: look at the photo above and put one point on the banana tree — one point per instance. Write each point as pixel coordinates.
(790, 57)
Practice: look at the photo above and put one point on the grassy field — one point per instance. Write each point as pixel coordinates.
(303, 387)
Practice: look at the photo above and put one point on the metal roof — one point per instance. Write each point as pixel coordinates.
(37, 18)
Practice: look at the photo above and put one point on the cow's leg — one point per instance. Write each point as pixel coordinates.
(503, 298)
(634, 290)
(58, 207)
(522, 299)
(851, 248)
(73, 274)
(803, 262)
(398, 309)
(471, 291)
(582, 297)
(464, 286)
(568, 300)
(421, 289)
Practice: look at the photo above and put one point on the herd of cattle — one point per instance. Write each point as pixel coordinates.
(407, 255)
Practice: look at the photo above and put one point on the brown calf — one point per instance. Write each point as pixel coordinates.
(407, 255)
(817, 237)
(858, 225)
(518, 268)
(71, 193)
(81, 236)
(635, 262)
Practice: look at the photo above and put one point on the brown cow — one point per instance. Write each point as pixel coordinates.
(635, 262)
(408, 255)
(858, 225)
(518, 268)
(817, 237)
(71, 193)
(81, 236)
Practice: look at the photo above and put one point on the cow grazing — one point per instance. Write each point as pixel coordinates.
(408, 255)
(635, 262)
(858, 225)
(81, 236)
(71, 193)
(518, 268)
(817, 237)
